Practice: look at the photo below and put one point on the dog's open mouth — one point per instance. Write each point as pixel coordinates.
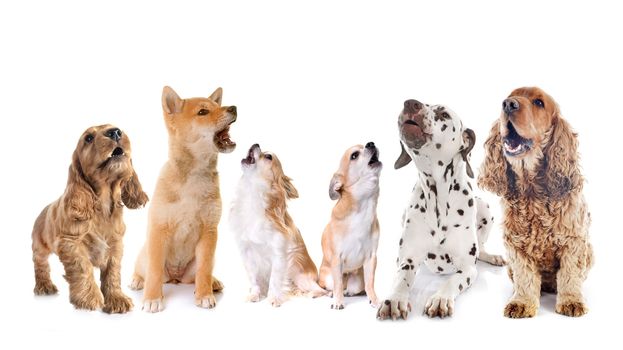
(117, 152)
(374, 160)
(413, 133)
(515, 144)
(115, 155)
(250, 159)
(223, 140)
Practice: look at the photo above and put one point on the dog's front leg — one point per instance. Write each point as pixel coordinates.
(338, 283)
(526, 286)
(154, 278)
(83, 291)
(573, 269)
(204, 291)
(397, 305)
(441, 304)
(110, 275)
(369, 267)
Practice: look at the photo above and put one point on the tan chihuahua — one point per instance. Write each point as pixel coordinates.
(186, 208)
(350, 240)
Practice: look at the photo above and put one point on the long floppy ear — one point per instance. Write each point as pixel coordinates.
(495, 170)
(79, 198)
(217, 96)
(171, 102)
(335, 187)
(132, 193)
(469, 137)
(403, 159)
(561, 172)
(286, 184)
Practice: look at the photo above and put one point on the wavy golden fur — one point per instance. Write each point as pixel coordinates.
(532, 162)
(85, 225)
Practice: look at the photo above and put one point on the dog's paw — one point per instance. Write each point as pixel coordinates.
(393, 309)
(317, 293)
(254, 297)
(374, 302)
(217, 285)
(276, 300)
(117, 303)
(519, 309)
(89, 299)
(496, 260)
(571, 308)
(206, 302)
(137, 283)
(45, 288)
(439, 306)
(337, 305)
(153, 305)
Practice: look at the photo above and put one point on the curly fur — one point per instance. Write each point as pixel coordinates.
(85, 225)
(546, 217)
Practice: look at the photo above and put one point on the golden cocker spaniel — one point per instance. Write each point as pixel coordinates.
(532, 162)
(84, 227)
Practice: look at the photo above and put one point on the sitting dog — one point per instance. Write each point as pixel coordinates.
(350, 240)
(186, 208)
(532, 162)
(445, 226)
(84, 227)
(272, 249)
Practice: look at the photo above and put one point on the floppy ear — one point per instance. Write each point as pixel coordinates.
(560, 172)
(335, 187)
(469, 138)
(403, 159)
(171, 102)
(286, 184)
(496, 174)
(217, 96)
(132, 193)
(79, 198)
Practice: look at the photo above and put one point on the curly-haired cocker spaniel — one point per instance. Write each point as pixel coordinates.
(85, 225)
(532, 162)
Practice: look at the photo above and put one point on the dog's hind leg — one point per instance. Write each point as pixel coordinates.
(354, 283)
(484, 223)
(40, 254)
(441, 304)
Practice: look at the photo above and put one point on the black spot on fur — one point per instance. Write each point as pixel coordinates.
(416, 206)
(453, 129)
(440, 163)
(466, 192)
(438, 145)
(448, 260)
(468, 281)
(442, 241)
(441, 257)
(387, 302)
(459, 271)
(432, 232)
(444, 127)
(408, 221)
(456, 187)
(470, 202)
(422, 209)
(439, 268)
(416, 152)
(422, 195)
(461, 212)
(484, 221)
(433, 189)
(447, 205)
(411, 206)
(410, 261)
(449, 169)
(470, 186)
(400, 243)
(427, 183)
(467, 227)
(426, 174)
(479, 227)
(405, 267)
(444, 228)
(460, 287)
(473, 250)
(431, 256)
(457, 225)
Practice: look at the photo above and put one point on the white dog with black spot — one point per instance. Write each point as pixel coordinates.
(445, 226)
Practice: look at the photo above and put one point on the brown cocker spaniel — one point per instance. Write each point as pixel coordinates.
(85, 226)
(532, 162)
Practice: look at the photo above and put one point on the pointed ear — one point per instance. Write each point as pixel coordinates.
(403, 159)
(79, 198)
(217, 96)
(469, 140)
(171, 102)
(291, 191)
(132, 193)
(335, 187)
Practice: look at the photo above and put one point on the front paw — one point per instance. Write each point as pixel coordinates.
(393, 309)
(519, 309)
(439, 306)
(117, 303)
(137, 283)
(254, 297)
(206, 302)
(153, 305)
(496, 260)
(89, 299)
(374, 302)
(45, 288)
(571, 308)
(276, 300)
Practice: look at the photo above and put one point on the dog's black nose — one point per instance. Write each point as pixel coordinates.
(412, 106)
(232, 110)
(510, 105)
(114, 134)
(370, 145)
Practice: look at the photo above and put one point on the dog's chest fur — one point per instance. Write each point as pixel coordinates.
(358, 241)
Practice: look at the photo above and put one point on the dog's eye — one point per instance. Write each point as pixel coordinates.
(538, 102)
(268, 156)
(88, 138)
(203, 111)
(354, 155)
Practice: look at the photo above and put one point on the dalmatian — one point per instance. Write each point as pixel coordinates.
(445, 226)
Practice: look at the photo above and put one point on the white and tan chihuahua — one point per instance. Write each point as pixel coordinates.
(350, 240)
(272, 249)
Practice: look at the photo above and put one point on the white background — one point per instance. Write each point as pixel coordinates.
(309, 80)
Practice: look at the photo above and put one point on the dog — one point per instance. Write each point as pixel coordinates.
(445, 226)
(532, 162)
(186, 207)
(271, 246)
(350, 240)
(84, 227)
